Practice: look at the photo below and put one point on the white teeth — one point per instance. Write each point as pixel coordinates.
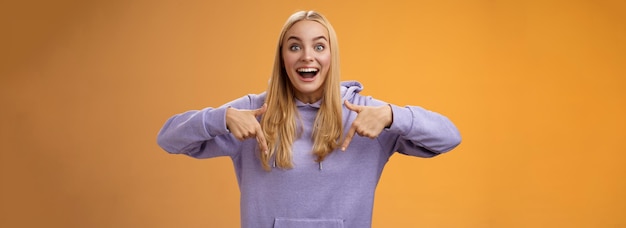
(307, 70)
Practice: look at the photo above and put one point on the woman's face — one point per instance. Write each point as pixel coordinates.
(306, 56)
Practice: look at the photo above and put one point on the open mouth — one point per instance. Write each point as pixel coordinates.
(307, 72)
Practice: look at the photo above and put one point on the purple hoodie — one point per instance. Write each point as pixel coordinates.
(337, 193)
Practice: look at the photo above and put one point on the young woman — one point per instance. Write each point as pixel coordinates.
(310, 150)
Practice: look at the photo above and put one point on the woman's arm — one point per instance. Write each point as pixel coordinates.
(202, 133)
(413, 130)
(422, 132)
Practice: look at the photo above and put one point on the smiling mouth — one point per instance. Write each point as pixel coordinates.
(307, 72)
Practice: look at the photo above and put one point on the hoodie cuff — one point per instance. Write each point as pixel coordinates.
(215, 121)
(402, 120)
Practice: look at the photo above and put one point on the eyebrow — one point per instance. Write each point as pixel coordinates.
(298, 39)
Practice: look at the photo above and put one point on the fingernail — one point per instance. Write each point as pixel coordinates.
(343, 149)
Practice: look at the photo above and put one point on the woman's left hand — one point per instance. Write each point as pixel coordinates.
(370, 121)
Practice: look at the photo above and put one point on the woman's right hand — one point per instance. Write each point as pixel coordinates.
(243, 124)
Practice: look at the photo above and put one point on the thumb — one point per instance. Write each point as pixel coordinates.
(261, 110)
(352, 107)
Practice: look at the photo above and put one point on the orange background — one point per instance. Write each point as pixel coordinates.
(537, 89)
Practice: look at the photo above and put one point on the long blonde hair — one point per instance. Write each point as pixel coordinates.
(280, 120)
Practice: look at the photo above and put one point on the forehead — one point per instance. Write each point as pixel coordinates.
(306, 30)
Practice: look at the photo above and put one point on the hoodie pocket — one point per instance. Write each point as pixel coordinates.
(307, 223)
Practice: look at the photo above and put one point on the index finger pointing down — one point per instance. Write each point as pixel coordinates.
(260, 138)
(346, 141)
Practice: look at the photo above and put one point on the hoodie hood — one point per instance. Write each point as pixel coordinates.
(349, 89)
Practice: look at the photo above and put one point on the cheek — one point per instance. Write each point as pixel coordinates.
(324, 60)
(288, 60)
(325, 57)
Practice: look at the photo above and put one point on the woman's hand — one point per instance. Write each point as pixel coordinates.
(243, 124)
(370, 121)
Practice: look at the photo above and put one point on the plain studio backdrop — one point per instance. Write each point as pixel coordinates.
(537, 89)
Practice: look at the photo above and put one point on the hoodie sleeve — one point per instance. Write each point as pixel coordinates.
(421, 132)
(414, 131)
(201, 133)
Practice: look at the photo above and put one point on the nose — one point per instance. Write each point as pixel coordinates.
(307, 55)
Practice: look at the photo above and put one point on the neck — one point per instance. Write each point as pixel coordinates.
(308, 98)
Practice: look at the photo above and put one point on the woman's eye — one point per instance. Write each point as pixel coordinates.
(319, 47)
(294, 48)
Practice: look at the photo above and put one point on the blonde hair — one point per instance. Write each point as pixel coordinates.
(280, 120)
